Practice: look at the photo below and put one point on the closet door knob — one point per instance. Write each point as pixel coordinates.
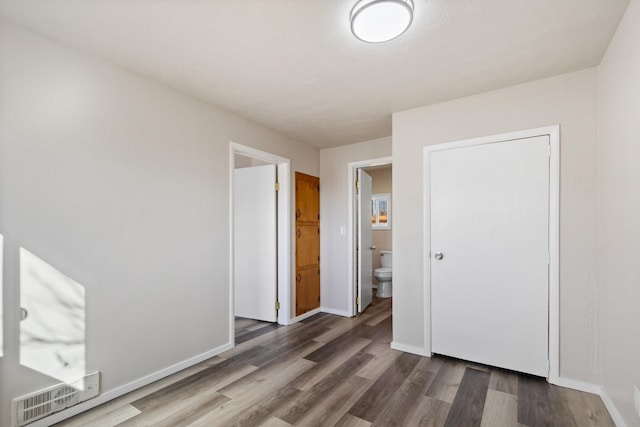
(439, 256)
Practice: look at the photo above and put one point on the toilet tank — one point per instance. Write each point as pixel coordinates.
(385, 258)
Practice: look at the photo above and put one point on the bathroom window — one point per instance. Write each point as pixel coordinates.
(381, 211)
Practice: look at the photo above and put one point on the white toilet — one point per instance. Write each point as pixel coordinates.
(383, 275)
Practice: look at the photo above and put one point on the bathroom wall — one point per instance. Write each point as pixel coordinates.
(122, 185)
(568, 100)
(381, 183)
(334, 218)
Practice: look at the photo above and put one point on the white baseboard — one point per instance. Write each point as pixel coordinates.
(336, 312)
(129, 387)
(305, 315)
(409, 349)
(611, 407)
(594, 389)
(576, 385)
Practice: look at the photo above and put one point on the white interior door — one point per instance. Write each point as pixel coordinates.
(365, 243)
(490, 253)
(255, 242)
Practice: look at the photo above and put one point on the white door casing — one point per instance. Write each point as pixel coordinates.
(352, 228)
(489, 218)
(365, 242)
(255, 242)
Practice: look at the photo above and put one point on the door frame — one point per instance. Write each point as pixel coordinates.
(554, 232)
(352, 235)
(283, 166)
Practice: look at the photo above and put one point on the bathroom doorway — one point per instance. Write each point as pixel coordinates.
(370, 228)
(259, 235)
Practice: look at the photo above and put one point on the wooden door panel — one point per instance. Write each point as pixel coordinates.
(307, 198)
(307, 290)
(307, 245)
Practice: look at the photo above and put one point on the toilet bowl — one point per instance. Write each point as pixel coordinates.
(384, 275)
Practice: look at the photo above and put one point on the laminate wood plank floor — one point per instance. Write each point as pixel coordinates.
(246, 329)
(334, 371)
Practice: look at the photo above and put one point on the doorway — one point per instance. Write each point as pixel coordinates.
(491, 273)
(307, 244)
(259, 235)
(364, 255)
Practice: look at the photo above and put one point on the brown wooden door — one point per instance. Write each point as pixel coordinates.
(307, 198)
(307, 243)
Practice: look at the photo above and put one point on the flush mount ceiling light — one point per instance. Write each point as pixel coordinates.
(376, 21)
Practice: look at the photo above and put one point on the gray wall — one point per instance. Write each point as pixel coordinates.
(568, 100)
(334, 213)
(619, 102)
(122, 184)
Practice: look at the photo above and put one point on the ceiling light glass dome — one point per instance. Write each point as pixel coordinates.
(377, 21)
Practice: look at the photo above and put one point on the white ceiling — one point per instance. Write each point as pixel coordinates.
(294, 66)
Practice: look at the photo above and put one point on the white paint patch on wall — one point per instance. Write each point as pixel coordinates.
(568, 100)
(53, 328)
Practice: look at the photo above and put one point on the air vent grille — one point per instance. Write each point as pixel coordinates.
(34, 406)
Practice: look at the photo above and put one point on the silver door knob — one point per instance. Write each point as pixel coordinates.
(373, 248)
(439, 256)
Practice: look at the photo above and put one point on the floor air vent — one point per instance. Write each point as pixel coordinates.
(33, 406)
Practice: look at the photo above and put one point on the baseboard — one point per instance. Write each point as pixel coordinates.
(409, 349)
(576, 385)
(304, 316)
(129, 387)
(594, 389)
(334, 311)
(611, 407)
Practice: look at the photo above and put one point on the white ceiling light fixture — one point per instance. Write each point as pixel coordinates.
(377, 21)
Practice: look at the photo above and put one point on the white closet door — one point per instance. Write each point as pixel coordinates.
(255, 242)
(490, 253)
(365, 242)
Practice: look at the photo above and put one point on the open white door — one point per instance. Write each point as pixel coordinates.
(255, 242)
(365, 246)
(490, 253)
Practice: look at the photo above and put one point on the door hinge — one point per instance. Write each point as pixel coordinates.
(358, 300)
(277, 186)
(358, 184)
(277, 305)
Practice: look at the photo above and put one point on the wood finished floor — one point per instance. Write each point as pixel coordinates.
(247, 329)
(334, 371)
